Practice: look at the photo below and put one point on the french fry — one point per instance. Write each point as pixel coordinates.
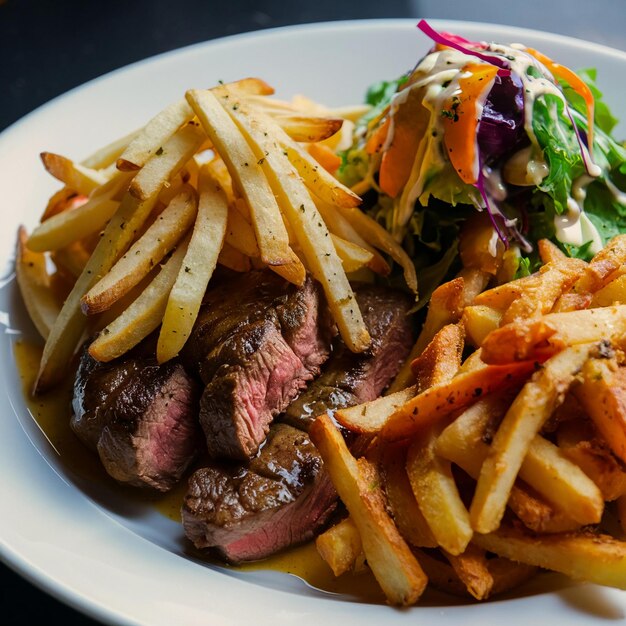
(529, 411)
(240, 234)
(446, 306)
(352, 256)
(247, 173)
(233, 259)
(309, 228)
(197, 268)
(581, 555)
(603, 395)
(118, 234)
(143, 316)
(474, 282)
(436, 403)
(67, 227)
(340, 546)
(532, 339)
(34, 284)
(614, 292)
(404, 508)
(76, 176)
(549, 252)
(437, 495)
(71, 260)
(107, 155)
(161, 237)
(479, 245)
(308, 129)
(393, 564)
(478, 321)
(603, 265)
(472, 568)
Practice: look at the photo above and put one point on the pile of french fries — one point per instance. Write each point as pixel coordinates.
(501, 449)
(226, 176)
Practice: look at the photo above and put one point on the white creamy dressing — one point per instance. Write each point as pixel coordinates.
(441, 74)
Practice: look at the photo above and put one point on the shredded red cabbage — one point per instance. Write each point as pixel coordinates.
(461, 45)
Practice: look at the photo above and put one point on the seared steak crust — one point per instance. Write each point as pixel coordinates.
(139, 416)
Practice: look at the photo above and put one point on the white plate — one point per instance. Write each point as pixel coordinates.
(122, 562)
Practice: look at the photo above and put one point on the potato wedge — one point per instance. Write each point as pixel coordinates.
(143, 316)
(581, 555)
(393, 564)
(197, 268)
(529, 411)
(34, 284)
(161, 237)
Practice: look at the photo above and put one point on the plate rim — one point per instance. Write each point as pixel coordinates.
(20, 563)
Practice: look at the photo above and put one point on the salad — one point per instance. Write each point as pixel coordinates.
(501, 130)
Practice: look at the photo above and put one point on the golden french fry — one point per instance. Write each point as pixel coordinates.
(161, 237)
(603, 265)
(70, 261)
(437, 495)
(404, 508)
(529, 411)
(233, 259)
(479, 245)
(117, 236)
(309, 228)
(436, 403)
(34, 283)
(308, 129)
(197, 268)
(143, 316)
(538, 339)
(107, 155)
(472, 568)
(478, 321)
(340, 546)
(67, 227)
(390, 559)
(247, 173)
(76, 176)
(581, 555)
(603, 395)
(352, 256)
(549, 252)
(240, 234)
(613, 292)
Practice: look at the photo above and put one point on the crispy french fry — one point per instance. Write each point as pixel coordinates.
(437, 495)
(118, 234)
(67, 227)
(581, 555)
(76, 176)
(247, 173)
(161, 237)
(436, 403)
(308, 129)
(352, 256)
(613, 292)
(603, 265)
(107, 155)
(529, 411)
(478, 321)
(340, 546)
(533, 339)
(233, 259)
(197, 268)
(34, 283)
(472, 568)
(474, 283)
(240, 234)
(143, 316)
(70, 261)
(446, 307)
(404, 508)
(603, 395)
(549, 252)
(390, 559)
(309, 228)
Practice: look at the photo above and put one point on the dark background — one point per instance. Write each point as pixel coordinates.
(48, 47)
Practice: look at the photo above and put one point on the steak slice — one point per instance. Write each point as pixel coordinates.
(258, 340)
(350, 379)
(139, 416)
(249, 512)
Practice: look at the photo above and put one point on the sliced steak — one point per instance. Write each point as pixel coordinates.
(139, 416)
(284, 496)
(350, 379)
(248, 512)
(258, 340)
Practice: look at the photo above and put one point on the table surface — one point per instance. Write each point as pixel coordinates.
(49, 47)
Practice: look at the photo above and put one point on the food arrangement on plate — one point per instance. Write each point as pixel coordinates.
(397, 328)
